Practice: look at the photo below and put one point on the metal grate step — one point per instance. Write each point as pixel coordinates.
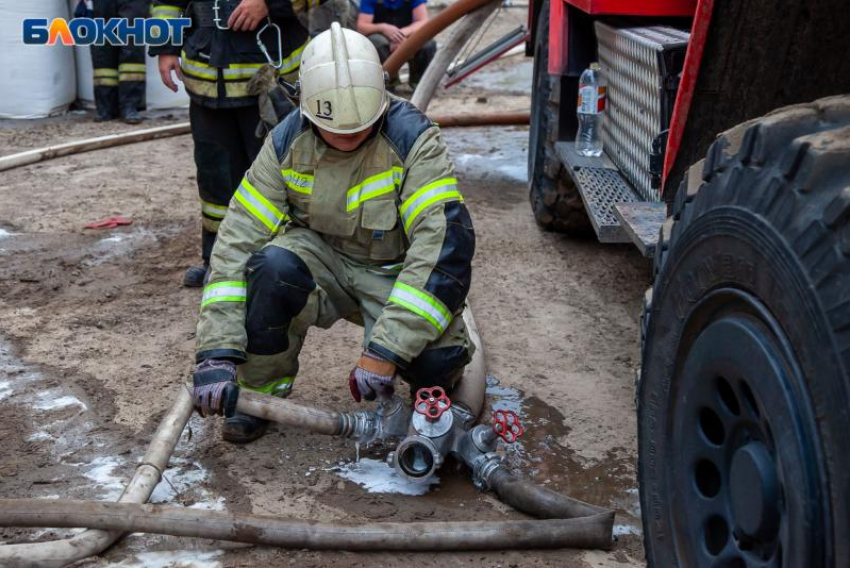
(642, 222)
(601, 186)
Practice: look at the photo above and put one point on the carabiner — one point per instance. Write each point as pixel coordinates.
(262, 46)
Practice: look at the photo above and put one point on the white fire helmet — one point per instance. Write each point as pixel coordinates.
(342, 81)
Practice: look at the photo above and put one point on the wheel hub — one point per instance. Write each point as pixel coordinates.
(754, 490)
(741, 498)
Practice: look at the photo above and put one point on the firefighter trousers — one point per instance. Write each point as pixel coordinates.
(225, 147)
(119, 71)
(298, 281)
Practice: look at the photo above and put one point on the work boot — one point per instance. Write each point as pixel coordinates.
(196, 276)
(102, 115)
(130, 115)
(241, 428)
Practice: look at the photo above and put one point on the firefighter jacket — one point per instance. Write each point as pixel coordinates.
(392, 204)
(218, 63)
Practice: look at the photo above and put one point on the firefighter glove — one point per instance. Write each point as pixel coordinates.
(373, 377)
(215, 389)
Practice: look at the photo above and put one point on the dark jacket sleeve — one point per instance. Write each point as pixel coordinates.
(279, 9)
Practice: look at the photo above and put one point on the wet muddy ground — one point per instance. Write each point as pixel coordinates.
(97, 334)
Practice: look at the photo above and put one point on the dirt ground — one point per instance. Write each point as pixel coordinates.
(97, 334)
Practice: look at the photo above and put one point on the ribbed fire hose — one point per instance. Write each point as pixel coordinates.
(583, 532)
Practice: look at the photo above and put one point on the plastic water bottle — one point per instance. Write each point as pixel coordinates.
(591, 107)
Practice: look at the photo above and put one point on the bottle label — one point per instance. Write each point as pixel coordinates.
(591, 100)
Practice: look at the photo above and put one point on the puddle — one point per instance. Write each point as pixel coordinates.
(514, 79)
(101, 471)
(543, 453)
(119, 243)
(181, 558)
(50, 403)
(183, 484)
(491, 154)
(378, 477)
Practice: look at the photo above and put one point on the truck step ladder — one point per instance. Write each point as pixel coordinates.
(642, 222)
(601, 186)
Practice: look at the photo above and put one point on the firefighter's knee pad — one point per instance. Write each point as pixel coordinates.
(279, 284)
(441, 367)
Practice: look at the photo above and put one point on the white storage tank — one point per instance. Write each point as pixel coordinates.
(38, 80)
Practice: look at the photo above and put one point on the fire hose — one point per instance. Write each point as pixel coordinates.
(102, 142)
(561, 522)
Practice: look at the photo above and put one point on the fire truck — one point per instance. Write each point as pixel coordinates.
(727, 161)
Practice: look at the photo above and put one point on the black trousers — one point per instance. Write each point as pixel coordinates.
(119, 71)
(225, 147)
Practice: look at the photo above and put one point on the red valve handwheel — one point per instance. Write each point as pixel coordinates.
(432, 403)
(506, 425)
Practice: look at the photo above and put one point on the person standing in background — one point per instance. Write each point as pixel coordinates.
(119, 70)
(227, 45)
(387, 23)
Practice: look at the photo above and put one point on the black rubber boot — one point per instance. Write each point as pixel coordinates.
(102, 116)
(196, 276)
(130, 115)
(242, 429)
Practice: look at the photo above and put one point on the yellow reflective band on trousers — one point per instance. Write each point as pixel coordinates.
(422, 304)
(213, 210)
(229, 291)
(298, 182)
(259, 206)
(372, 187)
(165, 12)
(105, 77)
(280, 387)
(131, 68)
(441, 190)
(131, 72)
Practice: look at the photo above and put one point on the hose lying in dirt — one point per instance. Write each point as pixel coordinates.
(583, 532)
(89, 144)
(468, 392)
(493, 119)
(446, 54)
(102, 142)
(147, 476)
(541, 502)
(290, 413)
(430, 29)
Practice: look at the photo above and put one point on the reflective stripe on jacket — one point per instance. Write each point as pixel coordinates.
(394, 201)
(217, 64)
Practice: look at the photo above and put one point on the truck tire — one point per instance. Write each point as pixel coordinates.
(744, 391)
(555, 201)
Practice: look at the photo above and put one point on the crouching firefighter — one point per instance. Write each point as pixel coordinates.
(229, 42)
(350, 211)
